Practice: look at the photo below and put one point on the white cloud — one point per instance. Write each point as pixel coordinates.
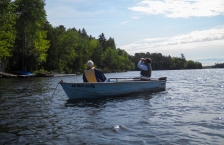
(181, 9)
(197, 36)
(62, 12)
(195, 39)
(209, 60)
(124, 22)
(135, 18)
(198, 51)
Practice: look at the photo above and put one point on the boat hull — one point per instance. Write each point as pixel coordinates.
(111, 89)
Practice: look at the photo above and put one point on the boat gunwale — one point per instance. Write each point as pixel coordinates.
(114, 82)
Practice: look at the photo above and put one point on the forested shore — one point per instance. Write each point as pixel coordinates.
(28, 42)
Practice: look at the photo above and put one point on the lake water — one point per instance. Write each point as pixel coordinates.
(190, 111)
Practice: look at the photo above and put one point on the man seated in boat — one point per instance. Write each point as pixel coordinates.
(146, 69)
(93, 75)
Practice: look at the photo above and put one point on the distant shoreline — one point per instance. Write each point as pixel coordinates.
(9, 75)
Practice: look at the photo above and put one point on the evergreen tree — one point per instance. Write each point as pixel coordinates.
(110, 43)
(84, 33)
(103, 41)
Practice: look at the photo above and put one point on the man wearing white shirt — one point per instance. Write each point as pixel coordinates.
(145, 65)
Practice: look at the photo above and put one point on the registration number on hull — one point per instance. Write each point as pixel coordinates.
(83, 86)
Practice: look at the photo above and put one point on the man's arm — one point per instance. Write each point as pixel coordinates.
(100, 75)
(142, 66)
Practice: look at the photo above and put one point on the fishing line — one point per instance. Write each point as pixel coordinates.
(56, 88)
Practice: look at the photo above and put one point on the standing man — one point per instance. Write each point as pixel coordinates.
(92, 74)
(145, 65)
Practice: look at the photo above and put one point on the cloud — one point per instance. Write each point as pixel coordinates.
(181, 9)
(62, 12)
(135, 18)
(197, 36)
(124, 22)
(209, 61)
(214, 36)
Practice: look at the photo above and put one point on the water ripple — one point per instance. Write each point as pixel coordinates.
(190, 111)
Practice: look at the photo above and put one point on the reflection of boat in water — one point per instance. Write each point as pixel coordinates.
(100, 102)
(120, 87)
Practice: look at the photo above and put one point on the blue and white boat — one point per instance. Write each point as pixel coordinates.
(119, 87)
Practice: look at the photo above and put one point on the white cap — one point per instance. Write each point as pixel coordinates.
(90, 63)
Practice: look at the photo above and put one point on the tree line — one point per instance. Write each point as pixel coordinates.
(29, 42)
(160, 62)
(219, 65)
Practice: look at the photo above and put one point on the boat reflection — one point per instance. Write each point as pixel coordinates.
(101, 102)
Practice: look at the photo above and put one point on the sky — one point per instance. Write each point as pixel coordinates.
(194, 28)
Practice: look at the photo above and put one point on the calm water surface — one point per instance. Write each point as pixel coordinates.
(190, 111)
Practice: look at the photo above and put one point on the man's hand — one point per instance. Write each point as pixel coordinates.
(142, 59)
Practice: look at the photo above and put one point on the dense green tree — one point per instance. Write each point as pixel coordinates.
(31, 44)
(83, 50)
(219, 65)
(110, 59)
(7, 28)
(167, 61)
(52, 57)
(157, 59)
(177, 63)
(34, 44)
(96, 56)
(66, 45)
(61, 53)
(124, 63)
(160, 62)
(198, 65)
(190, 64)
